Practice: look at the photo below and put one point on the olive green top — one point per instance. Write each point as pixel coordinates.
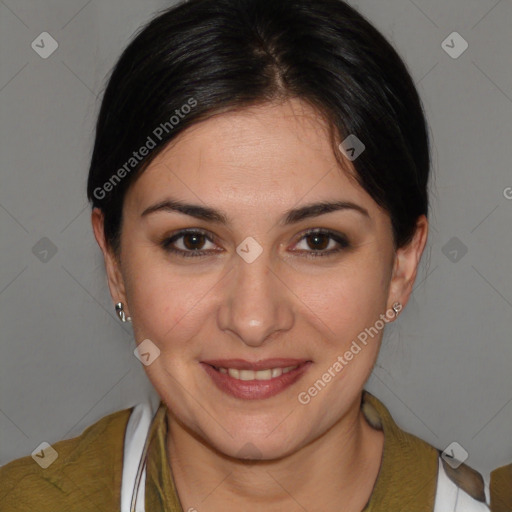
(86, 476)
(501, 489)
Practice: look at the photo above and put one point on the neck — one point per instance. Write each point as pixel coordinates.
(339, 467)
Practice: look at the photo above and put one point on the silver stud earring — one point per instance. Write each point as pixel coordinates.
(121, 313)
(397, 307)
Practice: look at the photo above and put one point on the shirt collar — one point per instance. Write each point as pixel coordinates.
(407, 478)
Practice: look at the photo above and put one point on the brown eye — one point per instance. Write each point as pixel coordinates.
(193, 241)
(189, 244)
(322, 243)
(318, 241)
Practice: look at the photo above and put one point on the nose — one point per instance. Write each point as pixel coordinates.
(256, 303)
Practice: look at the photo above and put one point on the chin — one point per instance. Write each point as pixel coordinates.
(256, 446)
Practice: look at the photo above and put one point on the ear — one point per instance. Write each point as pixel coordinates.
(405, 267)
(112, 263)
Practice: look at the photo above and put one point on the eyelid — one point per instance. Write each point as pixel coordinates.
(185, 231)
(323, 231)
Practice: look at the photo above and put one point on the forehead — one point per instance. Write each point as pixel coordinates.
(272, 154)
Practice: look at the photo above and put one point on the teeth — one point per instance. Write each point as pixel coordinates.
(263, 374)
(247, 375)
(234, 373)
(268, 374)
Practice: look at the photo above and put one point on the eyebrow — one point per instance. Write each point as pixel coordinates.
(292, 216)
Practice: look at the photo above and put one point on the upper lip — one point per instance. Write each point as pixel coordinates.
(264, 364)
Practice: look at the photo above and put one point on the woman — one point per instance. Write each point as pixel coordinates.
(259, 191)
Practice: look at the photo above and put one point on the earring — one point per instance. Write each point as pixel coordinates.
(397, 307)
(121, 314)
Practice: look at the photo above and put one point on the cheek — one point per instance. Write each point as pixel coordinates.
(165, 303)
(347, 299)
(345, 310)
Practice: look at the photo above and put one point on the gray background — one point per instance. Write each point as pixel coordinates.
(444, 370)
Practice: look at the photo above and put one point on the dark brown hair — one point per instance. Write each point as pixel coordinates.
(202, 57)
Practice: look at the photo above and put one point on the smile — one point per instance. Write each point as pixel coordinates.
(253, 381)
(268, 374)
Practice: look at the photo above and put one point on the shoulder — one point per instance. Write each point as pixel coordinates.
(425, 468)
(86, 472)
(501, 489)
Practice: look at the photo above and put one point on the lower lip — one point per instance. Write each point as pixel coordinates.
(255, 389)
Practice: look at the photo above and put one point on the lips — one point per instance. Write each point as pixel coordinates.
(255, 380)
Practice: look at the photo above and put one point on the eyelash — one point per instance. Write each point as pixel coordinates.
(340, 239)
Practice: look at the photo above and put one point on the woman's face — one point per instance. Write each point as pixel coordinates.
(247, 282)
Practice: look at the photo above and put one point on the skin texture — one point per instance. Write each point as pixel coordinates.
(254, 165)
